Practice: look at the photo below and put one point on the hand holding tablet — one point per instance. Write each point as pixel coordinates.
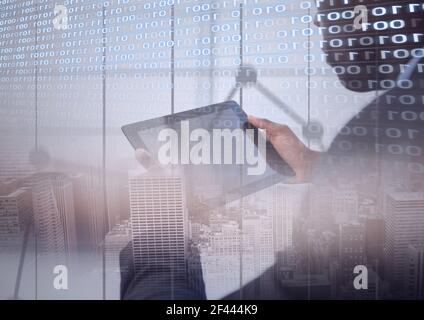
(223, 156)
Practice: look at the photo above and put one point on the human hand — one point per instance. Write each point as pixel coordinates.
(298, 156)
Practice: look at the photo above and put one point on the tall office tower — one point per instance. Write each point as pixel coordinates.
(14, 158)
(404, 226)
(48, 224)
(117, 198)
(334, 277)
(286, 204)
(159, 225)
(195, 270)
(115, 241)
(257, 239)
(54, 214)
(195, 232)
(345, 204)
(15, 214)
(321, 215)
(351, 250)
(63, 193)
(374, 241)
(257, 250)
(322, 247)
(220, 257)
(89, 211)
(414, 272)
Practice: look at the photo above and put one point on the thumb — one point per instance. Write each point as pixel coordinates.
(262, 123)
(270, 127)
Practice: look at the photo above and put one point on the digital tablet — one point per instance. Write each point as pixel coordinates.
(216, 171)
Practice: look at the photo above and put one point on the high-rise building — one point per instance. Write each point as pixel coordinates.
(414, 272)
(220, 257)
(352, 250)
(195, 270)
(54, 214)
(321, 248)
(258, 239)
(334, 277)
(374, 241)
(116, 199)
(286, 203)
(321, 201)
(48, 224)
(89, 211)
(15, 213)
(14, 158)
(404, 226)
(195, 232)
(63, 192)
(345, 204)
(257, 250)
(159, 225)
(115, 241)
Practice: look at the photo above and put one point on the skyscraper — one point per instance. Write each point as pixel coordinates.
(414, 272)
(258, 250)
(285, 204)
(159, 225)
(48, 225)
(220, 257)
(89, 211)
(345, 204)
(14, 159)
(258, 240)
(374, 241)
(404, 226)
(352, 250)
(115, 241)
(15, 213)
(63, 193)
(54, 214)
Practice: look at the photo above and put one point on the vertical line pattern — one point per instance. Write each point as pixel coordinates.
(173, 58)
(241, 169)
(309, 142)
(212, 55)
(241, 51)
(105, 205)
(36, 140)
(172, 112)
(309, 75)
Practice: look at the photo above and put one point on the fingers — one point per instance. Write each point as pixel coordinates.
(144, 158)
(272, 129)
(257, 122)
(264, 123)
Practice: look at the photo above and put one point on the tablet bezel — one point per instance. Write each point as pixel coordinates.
(132, 132)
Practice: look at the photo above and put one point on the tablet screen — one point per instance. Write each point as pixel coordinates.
(215, 148)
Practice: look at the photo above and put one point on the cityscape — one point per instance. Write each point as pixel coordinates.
(314, 237)
(336, 85)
